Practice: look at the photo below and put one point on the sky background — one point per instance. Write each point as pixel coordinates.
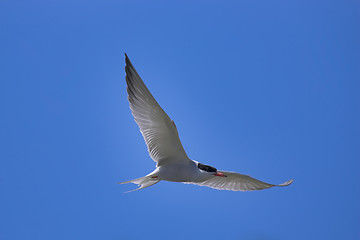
(265, 88)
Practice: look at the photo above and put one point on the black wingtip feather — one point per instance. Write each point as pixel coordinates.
(127, 61)
(128, 65)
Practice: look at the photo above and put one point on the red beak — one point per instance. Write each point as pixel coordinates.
(219, 174)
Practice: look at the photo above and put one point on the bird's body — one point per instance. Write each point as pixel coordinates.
(177, 172)
(165, 148)
(186, 171)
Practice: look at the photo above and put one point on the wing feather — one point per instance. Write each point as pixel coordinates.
(238, 182)
(159, 131)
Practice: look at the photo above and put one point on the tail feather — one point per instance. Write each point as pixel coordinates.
(143, 182)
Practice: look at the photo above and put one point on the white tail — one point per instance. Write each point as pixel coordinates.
(143, 182)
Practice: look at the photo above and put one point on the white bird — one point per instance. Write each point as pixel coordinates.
(165, 148)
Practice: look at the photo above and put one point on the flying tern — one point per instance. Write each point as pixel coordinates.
(165, 148)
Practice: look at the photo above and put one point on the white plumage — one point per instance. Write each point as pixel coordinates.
(165, 148)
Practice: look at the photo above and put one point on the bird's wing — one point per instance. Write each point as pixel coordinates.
(158, 130)
(237, 182)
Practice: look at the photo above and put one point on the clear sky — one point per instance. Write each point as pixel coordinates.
(265, 88)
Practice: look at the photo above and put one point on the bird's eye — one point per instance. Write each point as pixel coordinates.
(206, 168)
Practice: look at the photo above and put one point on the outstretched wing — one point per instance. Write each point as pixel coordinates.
(158, 130)
(237, 182)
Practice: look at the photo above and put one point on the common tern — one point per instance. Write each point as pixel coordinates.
(165, 148)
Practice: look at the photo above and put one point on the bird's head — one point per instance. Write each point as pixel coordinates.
(210, 170)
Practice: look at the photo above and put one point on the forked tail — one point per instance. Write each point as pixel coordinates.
(143, 182)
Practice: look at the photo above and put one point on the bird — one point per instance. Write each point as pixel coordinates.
(165, 148)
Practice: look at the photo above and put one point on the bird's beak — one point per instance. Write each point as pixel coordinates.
(219, 174)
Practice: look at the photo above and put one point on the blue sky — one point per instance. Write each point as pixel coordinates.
(265, 88)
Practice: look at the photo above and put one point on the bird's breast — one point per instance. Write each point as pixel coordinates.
(178, 172)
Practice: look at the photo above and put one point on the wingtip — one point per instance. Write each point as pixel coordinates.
(287, 183)
(128, 62)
